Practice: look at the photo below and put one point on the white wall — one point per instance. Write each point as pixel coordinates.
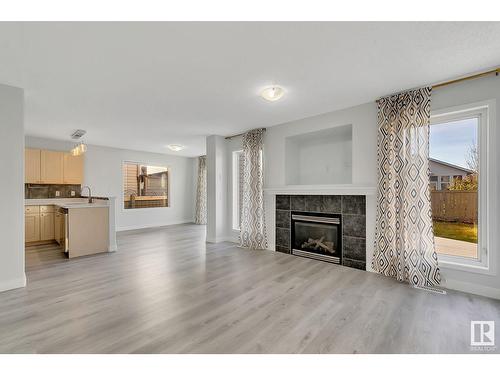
(12, 188)
(218, 175)
(319, 158)
(220, 188)
(363, 119)
(103, 173)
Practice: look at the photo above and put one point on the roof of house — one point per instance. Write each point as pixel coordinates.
(451, 165)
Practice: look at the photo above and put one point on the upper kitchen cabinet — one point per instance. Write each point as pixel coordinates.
(52, 167)
(51, 171)
(72, 169)
(32, 166)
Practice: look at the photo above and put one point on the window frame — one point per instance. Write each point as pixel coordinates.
(482, 111)
(433, 182)
(169, 179)
(443, 183)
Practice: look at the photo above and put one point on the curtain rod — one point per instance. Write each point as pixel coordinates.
(466, 78)
(456, 80)
(239, 135)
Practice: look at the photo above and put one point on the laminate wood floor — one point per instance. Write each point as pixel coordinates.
(43, 255)
(166, 291)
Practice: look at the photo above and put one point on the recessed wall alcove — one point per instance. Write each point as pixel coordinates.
(319, 158)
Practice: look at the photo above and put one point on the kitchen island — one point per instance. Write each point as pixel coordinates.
(80, 227)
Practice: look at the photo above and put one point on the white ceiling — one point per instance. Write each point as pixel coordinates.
(145, 85)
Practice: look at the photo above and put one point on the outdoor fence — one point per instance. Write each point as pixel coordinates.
(454, 205)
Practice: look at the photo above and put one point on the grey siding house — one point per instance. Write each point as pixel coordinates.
(443, 173)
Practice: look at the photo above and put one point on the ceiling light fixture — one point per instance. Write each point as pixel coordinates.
(273, 93)
(176, 147)
(80, 147)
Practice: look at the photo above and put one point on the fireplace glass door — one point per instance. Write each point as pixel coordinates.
(317, 236)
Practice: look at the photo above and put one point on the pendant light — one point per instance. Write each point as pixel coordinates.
(80, 147)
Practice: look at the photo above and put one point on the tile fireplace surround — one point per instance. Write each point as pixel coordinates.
(353, 211)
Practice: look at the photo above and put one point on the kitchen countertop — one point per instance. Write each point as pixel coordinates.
(67, 202)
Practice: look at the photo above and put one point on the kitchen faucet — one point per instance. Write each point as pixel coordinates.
(91, 200)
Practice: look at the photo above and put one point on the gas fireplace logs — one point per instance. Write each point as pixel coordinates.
(317, 244)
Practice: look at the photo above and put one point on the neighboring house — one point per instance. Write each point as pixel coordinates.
(443, 173)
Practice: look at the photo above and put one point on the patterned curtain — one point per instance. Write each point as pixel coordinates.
(201, 192)
(404, 238)
(252, 228)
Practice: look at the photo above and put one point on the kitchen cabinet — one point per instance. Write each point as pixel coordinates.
(31, 227)
(72, 169)
(32, 165)
(46, 226)
(51, 167)
(70, 227)
(32, 210)
(82, 221)
(39, 223)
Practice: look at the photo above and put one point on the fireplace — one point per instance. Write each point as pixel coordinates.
(350, 235)
(317, 235)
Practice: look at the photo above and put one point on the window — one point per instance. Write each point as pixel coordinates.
(458, 189)
(445, 183)
(145, 186)
(433, 182)
(237, 188)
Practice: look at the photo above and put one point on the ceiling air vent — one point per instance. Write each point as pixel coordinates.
(78, 134)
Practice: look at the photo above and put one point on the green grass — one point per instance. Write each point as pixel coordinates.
(456, 231)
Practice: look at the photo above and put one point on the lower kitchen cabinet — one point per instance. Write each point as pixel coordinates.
(39, 223)
(47, 226)
(31, 227)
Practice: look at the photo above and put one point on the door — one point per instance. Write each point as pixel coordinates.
(51, 171)
(31, 227)
(47, 226)
(73, 169)
(32, 166)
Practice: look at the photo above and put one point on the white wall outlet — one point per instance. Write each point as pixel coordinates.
(58, 193)
(72, 193)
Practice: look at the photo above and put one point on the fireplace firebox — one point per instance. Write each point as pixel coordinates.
(317, 236)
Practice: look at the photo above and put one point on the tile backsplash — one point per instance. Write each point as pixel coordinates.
(41, 191)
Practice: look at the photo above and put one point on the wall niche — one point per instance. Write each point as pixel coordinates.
(322, 157)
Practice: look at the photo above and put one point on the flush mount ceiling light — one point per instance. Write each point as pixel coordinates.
(176, 147)
(272, 93)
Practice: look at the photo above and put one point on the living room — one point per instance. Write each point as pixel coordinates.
(254, 187)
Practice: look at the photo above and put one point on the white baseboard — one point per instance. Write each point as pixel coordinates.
(13, 284)
(144, 226)
(462, 286)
